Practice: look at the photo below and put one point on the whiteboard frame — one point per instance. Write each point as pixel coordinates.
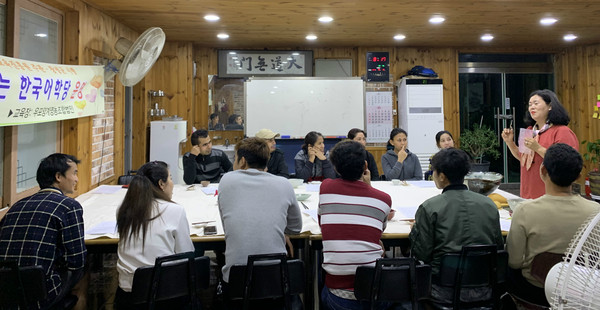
(326, 134)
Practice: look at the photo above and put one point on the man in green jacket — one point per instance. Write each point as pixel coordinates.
(455, 218)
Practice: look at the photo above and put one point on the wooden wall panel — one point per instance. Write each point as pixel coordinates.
(577, 75)
(89, 32)
(172, 73)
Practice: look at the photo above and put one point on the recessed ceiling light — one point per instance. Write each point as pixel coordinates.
(40, 35)
(548, 21)
(211, 17)
(569, 37)
(223, 36)
(399, 37)
(487, 37)
(311, 37)
(325, 19)
(437, 20)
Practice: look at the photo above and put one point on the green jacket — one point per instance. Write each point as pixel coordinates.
(447, 222)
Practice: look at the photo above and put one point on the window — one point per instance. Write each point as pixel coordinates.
(38, 37)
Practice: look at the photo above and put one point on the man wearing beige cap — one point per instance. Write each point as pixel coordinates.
(276, 163)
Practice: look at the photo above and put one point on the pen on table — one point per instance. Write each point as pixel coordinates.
(205, 222)
(305, 207)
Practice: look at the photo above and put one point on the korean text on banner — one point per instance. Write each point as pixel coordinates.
(36, 92)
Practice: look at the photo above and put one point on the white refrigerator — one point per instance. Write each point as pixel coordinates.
(167, 140)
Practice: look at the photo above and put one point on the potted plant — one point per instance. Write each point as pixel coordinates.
(480, 141)
(593, 155)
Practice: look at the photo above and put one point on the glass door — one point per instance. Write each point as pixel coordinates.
(497, 100)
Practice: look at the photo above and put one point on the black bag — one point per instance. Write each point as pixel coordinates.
(422, 71)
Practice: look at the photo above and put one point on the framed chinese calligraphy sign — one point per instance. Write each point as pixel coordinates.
(245, 63)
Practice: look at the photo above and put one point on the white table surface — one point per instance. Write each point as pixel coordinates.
(101, 207)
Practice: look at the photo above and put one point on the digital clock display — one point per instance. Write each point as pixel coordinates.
(378, 64)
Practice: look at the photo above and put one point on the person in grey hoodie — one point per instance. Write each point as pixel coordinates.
(400, 163)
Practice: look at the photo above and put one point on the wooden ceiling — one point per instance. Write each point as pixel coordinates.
(284, 23)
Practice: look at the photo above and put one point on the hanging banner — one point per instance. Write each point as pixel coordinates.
(36, 92)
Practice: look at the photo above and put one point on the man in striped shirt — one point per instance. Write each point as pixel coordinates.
(46, 228)
(352, 216)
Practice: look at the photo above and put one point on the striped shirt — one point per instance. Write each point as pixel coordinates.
(45, 229)
(352, 216)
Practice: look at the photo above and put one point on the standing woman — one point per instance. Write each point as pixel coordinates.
(548, 119)
(360, 136)
(311, 161)
(150, 225)
(443, 140)
(400, 163)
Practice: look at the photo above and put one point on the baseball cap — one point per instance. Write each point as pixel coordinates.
(266, 134)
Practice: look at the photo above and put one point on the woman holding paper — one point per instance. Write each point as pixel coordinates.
(547, 122)
(150, 225)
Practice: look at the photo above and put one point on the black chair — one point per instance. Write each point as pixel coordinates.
(395, 280)
(174, 279)
(24, 287)
(126, 179)
(476, 266)
(266, 276)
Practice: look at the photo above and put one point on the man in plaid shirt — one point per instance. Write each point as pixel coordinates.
(46, 228)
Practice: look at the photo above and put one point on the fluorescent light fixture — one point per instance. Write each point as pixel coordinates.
(223, 36)
(437, 20)
(211, 17)
(311, 37)
(570, 37)
(399, 37)
(487, 37)
(325, 19)
(40, 35)
(548, 21)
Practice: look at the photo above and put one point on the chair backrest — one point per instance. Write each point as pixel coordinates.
(393, 280)
(21, 286)
(126, 179)
(542, 263)
(172, 276)
(476, 266)
(259, 278)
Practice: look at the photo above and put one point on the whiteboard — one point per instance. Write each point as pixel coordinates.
(295, 106)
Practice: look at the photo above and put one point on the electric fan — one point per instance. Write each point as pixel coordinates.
(575, 283)
(139, 56)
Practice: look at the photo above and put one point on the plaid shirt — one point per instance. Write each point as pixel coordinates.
(45, 229)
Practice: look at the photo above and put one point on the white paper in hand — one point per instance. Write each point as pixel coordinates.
(524, 133)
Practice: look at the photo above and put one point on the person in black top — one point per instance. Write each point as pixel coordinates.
(276, 164)
(360, 136)
(214, 123)
(203, 164)
(235, 122)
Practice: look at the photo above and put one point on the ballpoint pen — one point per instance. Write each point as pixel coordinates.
(305, 207)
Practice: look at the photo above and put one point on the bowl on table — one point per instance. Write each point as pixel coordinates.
(302, 197)
(483, 182)
(296, 182)
(513, 203)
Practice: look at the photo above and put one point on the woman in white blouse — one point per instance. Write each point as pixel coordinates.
(149, 224)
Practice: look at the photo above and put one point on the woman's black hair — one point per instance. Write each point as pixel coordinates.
(354, 131)
(135, 212)
(557, 114)
(310, 138)
(438, 136)
(397, 131)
